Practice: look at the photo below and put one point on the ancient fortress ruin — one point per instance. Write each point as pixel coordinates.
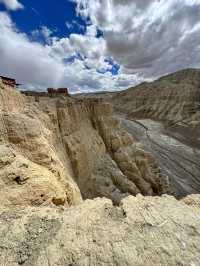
(8, 82)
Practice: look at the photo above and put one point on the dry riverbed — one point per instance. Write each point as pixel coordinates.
(178, 161)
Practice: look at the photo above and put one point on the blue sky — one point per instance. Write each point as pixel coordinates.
(53, 14)
(94, 45)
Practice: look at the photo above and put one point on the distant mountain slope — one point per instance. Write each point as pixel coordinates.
(173, 100)
(164, 116)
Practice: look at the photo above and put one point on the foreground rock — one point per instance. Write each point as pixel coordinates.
(142, 231)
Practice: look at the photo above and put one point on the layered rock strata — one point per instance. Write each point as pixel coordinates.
(167, 111)
(173, 99)
(62, 150)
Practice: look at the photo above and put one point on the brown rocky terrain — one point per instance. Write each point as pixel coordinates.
(174, 100)
(62, 150)
(73, 183)
(164, 116)
(141, 231)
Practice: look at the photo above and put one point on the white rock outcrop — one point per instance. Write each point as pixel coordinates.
(142, 231)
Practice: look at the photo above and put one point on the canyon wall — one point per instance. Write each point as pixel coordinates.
(174, 99)
(168, 98)
(58, 151)
(164, 115)
(56, 156)
(33, 163)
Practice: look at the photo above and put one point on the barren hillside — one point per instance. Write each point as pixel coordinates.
(173, 100)
(164, 116)
(60, 150)
(68, 172)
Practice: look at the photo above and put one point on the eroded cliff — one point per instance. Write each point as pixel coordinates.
(56, 152)
(173, 100)
(164, 116)
(62, 150)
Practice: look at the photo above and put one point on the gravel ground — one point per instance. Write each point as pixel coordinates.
(177, 160)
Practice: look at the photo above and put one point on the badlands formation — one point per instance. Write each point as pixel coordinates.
(164, 116)
(61, 150)
(77, 189)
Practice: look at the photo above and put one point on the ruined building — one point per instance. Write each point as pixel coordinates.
(8, 82)
(53, 92)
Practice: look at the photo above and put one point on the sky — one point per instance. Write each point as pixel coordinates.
(96, 45)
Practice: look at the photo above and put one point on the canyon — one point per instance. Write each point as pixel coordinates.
(164, 116)
(102, 179)
(62, 150)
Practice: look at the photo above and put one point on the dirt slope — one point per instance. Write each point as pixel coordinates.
(172, 101)
(62, 150)
(57, 152)
(142, 231)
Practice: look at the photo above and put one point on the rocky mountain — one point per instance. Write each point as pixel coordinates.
(164, 116)
(62, 150)
(173, 99)
(78, 188)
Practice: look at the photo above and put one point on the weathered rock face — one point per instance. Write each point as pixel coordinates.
(142, 231)
(55, 152)
(60, 150)
(32, 172)
(173, 99)
(164, 116)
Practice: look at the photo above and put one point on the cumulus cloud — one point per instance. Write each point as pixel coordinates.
(29, 62)
(144, 39)
(74, 23)
(151, 37)
(76, 62)
(42, 33)
(12, 4)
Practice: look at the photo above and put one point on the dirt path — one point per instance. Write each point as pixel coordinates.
(178, 161)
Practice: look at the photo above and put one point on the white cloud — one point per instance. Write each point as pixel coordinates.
(91, 30)
(39, 66)
(29, 62)
(74, 23)
(146, 38)
(46, 32)
(89, 80)
(43, 32)
(12, 4)
(151, 37)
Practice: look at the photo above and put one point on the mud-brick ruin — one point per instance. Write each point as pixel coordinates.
(6, 81)
(63, 91)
